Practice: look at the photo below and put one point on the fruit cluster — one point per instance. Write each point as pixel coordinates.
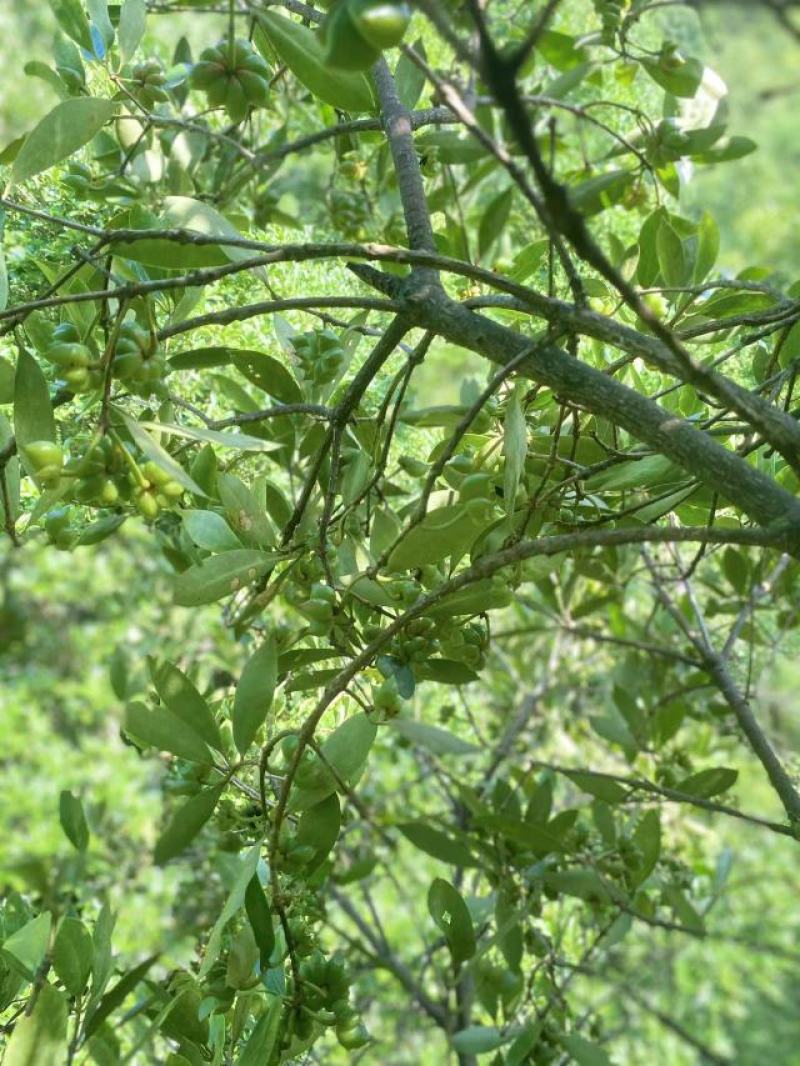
(325, 991)
(232, 75)
(357, 31)
(320, 355)
(78, 365)
(148, 83)
(137, 360)
(610, 12)
(104, 475)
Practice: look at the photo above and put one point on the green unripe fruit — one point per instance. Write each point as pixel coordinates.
(656, 304)
(354, 1037)
(476, 487)
(147, 505)
(78, 378)
(109, 493)
(68, 354)
(382, 25)
(149, 80)
(318, 610)
(44, 453)
(57, 521)
(414, 467)
(233, 76)
(66, 333)
(319, 591)
(155, 474)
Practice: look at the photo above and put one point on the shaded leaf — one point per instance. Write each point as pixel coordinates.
(181, 697)
(73, 954)
(451, 915)
(254, 694)
(164, 731)
(221, 575)
(437, 844)
(69, 126)
(186, 823)
(40, 1039)
(303, 53)
(73, 820)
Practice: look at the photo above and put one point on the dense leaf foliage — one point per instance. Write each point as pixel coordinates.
(455, 487)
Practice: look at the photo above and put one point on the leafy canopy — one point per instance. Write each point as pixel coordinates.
(382, 329)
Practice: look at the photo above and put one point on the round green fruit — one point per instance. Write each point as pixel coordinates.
(345, 47)
(353, 1037)
(382, 25)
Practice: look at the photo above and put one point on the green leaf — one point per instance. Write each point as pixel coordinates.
(116, 996)
(132, 19)
(26, 948)
(439, 741)
(33, 411)
(451, 147)
(346, 750)
(708, 783)
(594, 195)
(584, 1052)
(246, 514)
(6, 382)
(561, 50)
(447, 531)
(181, 697)
(451, 915)
(681, 79)
(726, 150)
(647, 838)
(98, 12)
(494, 220)
(707, 247)
(584, 884)
(671, 256)
(479, 1039)
(515, 446)
(3, 276)
(40, 1039)
(261, 1044)
(73, 820)
(267, 373)
(445, 672)
(186, 823)
(318, 828)
(303, 53)
(103, 960)
(233, 904)
(153, 450)
(210, 531)
(437, 844)
(260, 918)
(164, 731)
(73, 954)
(240, 441)
(254, 694)
(221, 575)
(410, 78)
(597, 785)
(68, 127)
(72, 20)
